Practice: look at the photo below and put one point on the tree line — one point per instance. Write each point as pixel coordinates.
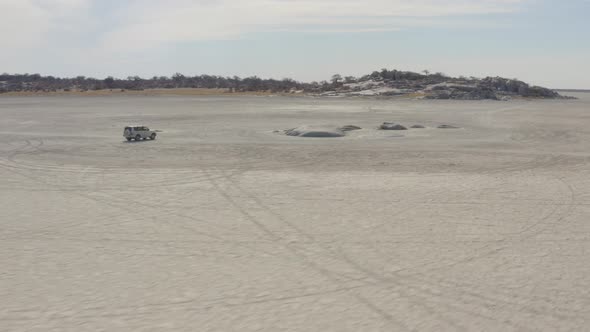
(39, 83)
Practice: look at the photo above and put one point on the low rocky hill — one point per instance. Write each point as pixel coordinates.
(439, 86)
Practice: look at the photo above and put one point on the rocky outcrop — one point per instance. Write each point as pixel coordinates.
(392, 126)
(315, 131)
(349, 128)
(510, 87)
(438, 86)
(494, 88)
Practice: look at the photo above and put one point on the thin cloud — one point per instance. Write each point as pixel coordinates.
(150, 23)
(155, 22)
(29, 23)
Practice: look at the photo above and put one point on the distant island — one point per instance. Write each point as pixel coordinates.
(384, 83)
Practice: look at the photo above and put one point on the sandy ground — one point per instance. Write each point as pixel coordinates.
(222, 225)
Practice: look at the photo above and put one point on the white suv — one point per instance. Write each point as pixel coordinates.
(138, 133)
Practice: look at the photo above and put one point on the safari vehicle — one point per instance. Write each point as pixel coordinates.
(138, 133)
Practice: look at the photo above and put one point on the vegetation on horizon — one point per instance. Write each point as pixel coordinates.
(39, 83)
(395, 80)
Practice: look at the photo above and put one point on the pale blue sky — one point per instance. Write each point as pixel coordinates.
(543, 42)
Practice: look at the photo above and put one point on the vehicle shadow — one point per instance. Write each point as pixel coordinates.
(137, 142)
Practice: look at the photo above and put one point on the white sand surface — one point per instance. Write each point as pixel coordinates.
(222, 225)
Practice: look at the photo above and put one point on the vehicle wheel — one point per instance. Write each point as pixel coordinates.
(137, 137)
(128, 139)
(153, 136)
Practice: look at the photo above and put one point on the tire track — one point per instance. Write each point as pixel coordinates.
(378, 276)
(344, 259)
(334, 278)
(129, 211)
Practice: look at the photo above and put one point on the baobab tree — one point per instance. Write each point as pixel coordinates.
(336, 78)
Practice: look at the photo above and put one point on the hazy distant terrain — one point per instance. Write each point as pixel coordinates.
(574, 90)
(224, 224)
